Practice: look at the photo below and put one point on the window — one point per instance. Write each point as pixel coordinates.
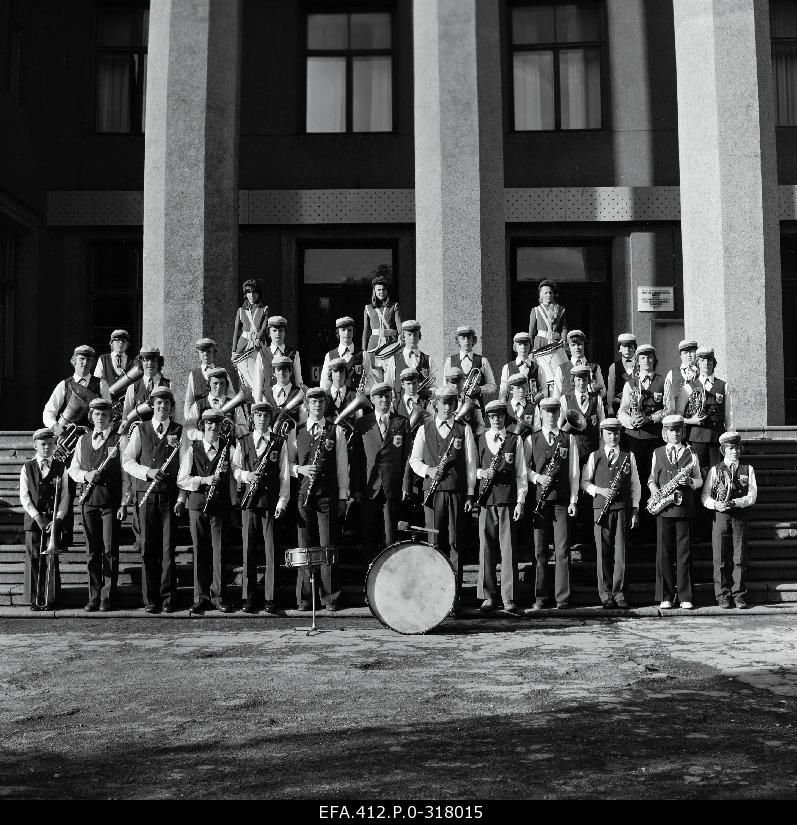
(121, 69)
(561, 263)
(14, 69)
(556, 66)
(7, 269)
(349, 73)
(115, 297)
(783, 24)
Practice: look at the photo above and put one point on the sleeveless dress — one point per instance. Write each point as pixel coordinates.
(380, 324)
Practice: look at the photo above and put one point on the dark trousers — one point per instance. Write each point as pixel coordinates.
(206, 533)
(447, 516)
(157, 526)
(729, 550)
(102, 547)
(34, 586)
(611, 545)
(379, 518)
(498, 539)
(642, 449)
(552, 523)
(672, 550)
(317, 528)
(258, 522)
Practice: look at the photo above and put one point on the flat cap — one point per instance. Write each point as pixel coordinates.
(205, 343)
(466, 330)
(687, 343)
(148, 352)
(705, 352)
(99, 404)
(410, 326)
(626, 338)
(408, 374)
(610, 424)
(262, 406)
(445, 392)
(582, 371)
(162, 392)
(575, 335)
(380, 279)
(121, 334)
(212, 414)
(277, 321)
(730, 437)
(43, 433)
(495, 406)
(85, 350)
(282, 362)
(345, 321)
(337, 364)
(315, 392)
(646, 349)
(217, 372)
(517, 380)
(521, 338)
(380, 388)
(454, 374)
(671, 421)
(550, 404)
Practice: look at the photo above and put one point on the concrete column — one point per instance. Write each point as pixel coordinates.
(191, 180)
(459, 175)
(729, 220)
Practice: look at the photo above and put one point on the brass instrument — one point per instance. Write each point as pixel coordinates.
(634, 402)
(722, 487)
(119, 388)
(89, 488)
(472, 382)
(425, 386)
(162, 469)
(48, 557)
(228, 424)
(488, 487)
(669, 494)
(417, 415)
(465, 407)
(143, 412)
(614, 488)
(696, 405)
(574, 423)
(359, 402)
(70, 433)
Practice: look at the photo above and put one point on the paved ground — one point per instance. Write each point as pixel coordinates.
(690, 706)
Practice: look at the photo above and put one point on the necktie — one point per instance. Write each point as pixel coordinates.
(645, 381)
(346, 355)
(409, 403)
(612, 456)
(149, 385)
(211, 451)
(314, 431)
(97, 438)
(498, 441)
(671, 454)
(382, 427)
(518, 409)
(160, 429)
(341, 393)
(583, 400)
(45, 467)
(281, 396)
(119, 362)
(261, 443)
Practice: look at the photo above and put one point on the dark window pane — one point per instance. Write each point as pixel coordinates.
(561, 263)
(370, 31)
(580, 88)
(327, 31)
(784, 69)
(576, 23)
(533, 24)
(122, 28)
(114, 74)
(533, 90)
(346, 266)
(326, 94)
(783, 18)
(372, 94)
(115, 266)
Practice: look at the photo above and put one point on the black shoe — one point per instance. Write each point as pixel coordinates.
(512, 609)
(487, 606)
(271, 609)
(105, 606)
(152, 608)
(538, 605)
(249, 607)
(198, 609)
(741, 604)
(724, 602)
(610, 604)
(223, 607)
(621, 603)
(168, 607)
(92, 607)
(563, 606)
(331, 607)
(35, 608)
(304, 606)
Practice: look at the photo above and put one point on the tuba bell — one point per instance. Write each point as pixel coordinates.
(119, 387)
(143, 412)
(574, 422)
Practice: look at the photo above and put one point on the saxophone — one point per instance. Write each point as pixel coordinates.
(89, 488)
(614, 489)
(669, 494)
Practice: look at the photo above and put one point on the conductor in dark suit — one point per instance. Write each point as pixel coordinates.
(380, 453)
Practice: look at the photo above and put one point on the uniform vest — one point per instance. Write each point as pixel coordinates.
(326, 485)
(42, 489)
(665, 472)
(589, 439)
(141, 393)
(524, 425)
(108, 490)
(651, 401)
(354, 369)
(477, 362)
(456, 478)
(715, 408)
(504, 490)
(109, 372)
(567, 378)
(605, 475)
(383, 462)
(287, 352)
(740, 487)
(330, 410)
(88, 394)
(201, 386)
(541, 453)
(401, 365)
(201, 465)
(620, 379)
(268, 493)
(154, 452)
(533, 376)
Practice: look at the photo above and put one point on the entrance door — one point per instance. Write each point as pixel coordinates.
(336, 281)
(788, 268)
(582, 270)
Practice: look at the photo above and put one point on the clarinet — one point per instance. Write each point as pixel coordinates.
(163, 469)
(551, 470)
(317, 461)
(488, 487)
(89, 488)
(614, 489)
(221, 468)
(427, 501)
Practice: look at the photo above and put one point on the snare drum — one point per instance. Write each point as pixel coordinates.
(410, 587)
(310, 556)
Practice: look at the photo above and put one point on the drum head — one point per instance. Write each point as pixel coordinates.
(410, 587)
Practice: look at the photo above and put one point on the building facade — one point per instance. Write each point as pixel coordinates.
(642, 153)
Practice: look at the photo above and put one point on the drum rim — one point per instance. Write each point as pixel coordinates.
(379, 618)
(325, 547)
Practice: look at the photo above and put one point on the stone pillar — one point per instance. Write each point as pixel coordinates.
(729, 219)
(191, 180)
(459, 176)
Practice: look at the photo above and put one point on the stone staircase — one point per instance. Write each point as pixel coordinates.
(772, 572)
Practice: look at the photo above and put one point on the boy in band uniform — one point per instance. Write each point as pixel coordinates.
(283, 389)
(589, 404)
(268, 503)
(354, 360)
(139, 391)
(410, 398)
(339, 396)
(112, 365)
(620, 371)
(523, 364)
(729, 490)
(560, 502)
(606, 467)
(455, 378)
(151, 444)
(218, 395)
(196, 476)
(679, 376)
(563, 382)
(198, 386)
(82, 384)
(457, 476)
(277, 330)
(103, 510)
(522, 411)
(409, 356)
(673, 539)
(502, 510)
(37, 481)
(466, 359)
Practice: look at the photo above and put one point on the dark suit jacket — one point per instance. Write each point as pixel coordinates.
(380, 465)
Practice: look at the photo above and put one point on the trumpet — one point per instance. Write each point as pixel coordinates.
(472, 382)
(426, 385)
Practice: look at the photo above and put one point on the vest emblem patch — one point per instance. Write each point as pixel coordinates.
(744, 480)
(273, 456)
(329, 445)
(509, 458)
(172, 440)
(719, 396)
(658, 396)
(358, 369)
(563, 451)
(398, 440)
(457, 443)
(594, 420)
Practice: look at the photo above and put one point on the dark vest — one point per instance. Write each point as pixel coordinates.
(382, 463)
(354, 369)
(715, 408)
(109, 372)
(401, 365)
(108, 490)
(567, 378)
(456, 478)
(326, 485)
(287, 352)
(504, 490)
(665, 472)
(201, 386)
(740, 487)
(541, 453)
(201, 465)
(140, 392)
(534, 374)
(154, 452)
(88, 394)
(42, 489)
(620, 379)
(589, 439)
(269, 395)
(524, 425)
(605, 475)
(332, 411)
(651, 401)
(268, 494)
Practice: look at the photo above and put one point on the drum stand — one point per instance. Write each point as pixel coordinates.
(313, 630)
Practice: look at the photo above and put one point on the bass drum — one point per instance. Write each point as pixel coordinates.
(410, 587)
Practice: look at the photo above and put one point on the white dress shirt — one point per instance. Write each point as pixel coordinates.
(495, 440)
(744, 501)
(56, 399)
(192, 431)
(341, 455)
(98, 370)
(523, 365)
(76, 472)
(471, 458)
(245, 476)
(185, 481)
(467, 365)
(622, 413)
(682, 375)
(413, 359)
(588, 475)
(24, 492)
(573, 462)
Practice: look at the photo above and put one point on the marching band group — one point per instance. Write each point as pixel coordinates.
(557, 448)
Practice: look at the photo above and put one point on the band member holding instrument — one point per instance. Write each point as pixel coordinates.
(198, 386)
(354, 361)
(409, 356)
(444, 456)
(522, 411)
(524, 365)
(251, 321)
(82, 384)
(317, 455)
(382, 316)
(548, 320)
(503, 486)
(263, 455)
(589, 405)
(381, 450)
(277, 330)
(97, 465)
(730, 488)
(218, 395)
(204, 467)
(113, 365)
(37, 491)
(563, 381)
(548, 450)
(466, 359)
(284, 390)
(414, 406)
(679, 376)
(339, 395)
(151, 362)
(620, 371)
(152, 459)
(474, 419)
(611, 478)
(674, 474)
